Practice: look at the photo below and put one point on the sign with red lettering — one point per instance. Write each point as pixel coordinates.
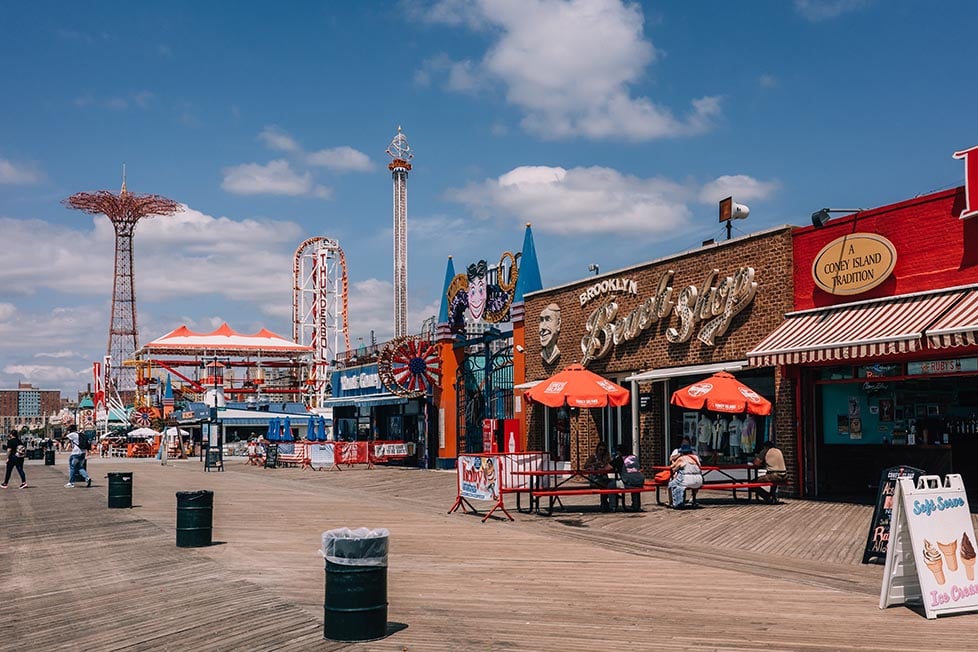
(970, 157)
(478, 477)
(879, 527)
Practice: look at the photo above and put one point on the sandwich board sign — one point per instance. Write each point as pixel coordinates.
(879, 527)
(930, 559)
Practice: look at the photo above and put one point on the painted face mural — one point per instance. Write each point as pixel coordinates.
(482, 293)
(549, 331)
(477, 290)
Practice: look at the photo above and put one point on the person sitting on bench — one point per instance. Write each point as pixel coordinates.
(769, 457)
(630, 475)
(600, 462)
(686, 474)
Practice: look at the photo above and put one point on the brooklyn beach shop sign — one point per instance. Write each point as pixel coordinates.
(712, 305)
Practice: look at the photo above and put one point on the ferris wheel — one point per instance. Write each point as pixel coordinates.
(409, 366)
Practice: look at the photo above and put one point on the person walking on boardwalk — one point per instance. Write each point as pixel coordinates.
(16, 452)
(76, 462)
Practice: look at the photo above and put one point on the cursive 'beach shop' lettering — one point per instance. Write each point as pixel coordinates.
(712, 305)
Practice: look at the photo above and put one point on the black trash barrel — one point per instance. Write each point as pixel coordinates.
(194, 517)
(355, 606)
(120, 489)
(49, 457)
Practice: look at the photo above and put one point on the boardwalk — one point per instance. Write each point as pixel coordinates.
(79, 576)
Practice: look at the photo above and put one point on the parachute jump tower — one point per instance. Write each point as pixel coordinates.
(123, 210)
(320, 308)
(400, 153)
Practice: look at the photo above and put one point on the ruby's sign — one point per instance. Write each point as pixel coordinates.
(970, 157)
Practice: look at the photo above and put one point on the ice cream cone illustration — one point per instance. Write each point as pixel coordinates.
(968, 556)
(950, 551)
(934, 560)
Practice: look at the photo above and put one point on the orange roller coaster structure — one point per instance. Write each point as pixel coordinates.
(320, 308)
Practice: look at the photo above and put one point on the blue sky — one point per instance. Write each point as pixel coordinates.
(614, 127)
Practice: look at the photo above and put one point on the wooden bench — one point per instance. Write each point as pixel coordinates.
(746, 485)
(554, 495)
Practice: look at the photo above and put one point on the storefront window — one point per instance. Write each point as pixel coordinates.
(909, 411)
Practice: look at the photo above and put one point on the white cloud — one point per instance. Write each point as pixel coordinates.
(767, 81)
(581, 200)
(274, 178)
(569, 66)
(592, 200)
(819, 10)
(187, 259)
(141, 99)
(739, 186)
(17, 174)
(43, 257)
(341, 159)
(277, 139)
(57, 354)
(24, 332)
(460, 76)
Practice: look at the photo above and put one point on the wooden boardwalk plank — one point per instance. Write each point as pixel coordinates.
(79, 576)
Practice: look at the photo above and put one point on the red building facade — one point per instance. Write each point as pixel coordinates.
(881, 344)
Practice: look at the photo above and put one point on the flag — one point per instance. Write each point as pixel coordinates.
(99, 396)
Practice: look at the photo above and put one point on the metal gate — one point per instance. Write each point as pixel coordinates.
(485, 391)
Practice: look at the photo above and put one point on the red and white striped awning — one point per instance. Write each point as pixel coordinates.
(959, 327)
(855, 330)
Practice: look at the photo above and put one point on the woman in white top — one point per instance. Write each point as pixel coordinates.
(686, 474)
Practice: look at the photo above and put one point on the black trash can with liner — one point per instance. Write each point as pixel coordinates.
(49, 457)
(120, 490)
(355, 605)
(195, 512)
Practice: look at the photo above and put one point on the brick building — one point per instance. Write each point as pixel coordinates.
(27, 406)
(637, 326)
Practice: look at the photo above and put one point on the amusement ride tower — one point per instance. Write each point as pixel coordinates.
(123, 210)
(400, 153)
(320, 308)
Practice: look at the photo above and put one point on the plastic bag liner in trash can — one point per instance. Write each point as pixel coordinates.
(355, 606)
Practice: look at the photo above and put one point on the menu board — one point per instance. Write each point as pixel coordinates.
(271, 456)
(879, 527)
(213, 459)
(931, 554)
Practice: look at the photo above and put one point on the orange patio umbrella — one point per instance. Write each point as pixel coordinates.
(575, 386)
(721, 392)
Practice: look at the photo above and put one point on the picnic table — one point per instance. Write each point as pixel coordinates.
(721, 477)
(559, 488)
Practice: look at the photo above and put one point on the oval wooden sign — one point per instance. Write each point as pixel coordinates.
(854, 263)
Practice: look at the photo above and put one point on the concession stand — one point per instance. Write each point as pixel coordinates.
(882, 343)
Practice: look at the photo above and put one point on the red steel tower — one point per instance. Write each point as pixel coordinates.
(400, 153)
(123, 210)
